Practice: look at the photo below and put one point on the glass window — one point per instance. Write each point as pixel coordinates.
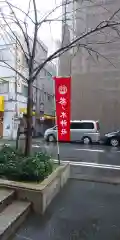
(23, 61)
(34, 94)
(41, 96)
(24, 90)
(87, 125)
(4, 87)
(75, 125)
(82, 125)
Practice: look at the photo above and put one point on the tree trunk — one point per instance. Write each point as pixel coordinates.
(28, 145)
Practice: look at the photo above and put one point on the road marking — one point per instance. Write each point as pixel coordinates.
(96, 165)
(23, 237)
(89, 150)
(92, 165)
(35, 146)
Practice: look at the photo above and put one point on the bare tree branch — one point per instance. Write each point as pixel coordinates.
(19, 9)
(15, 35)
(102, 25)
(12, 68)
(53, 10)
(98, 54)
(27, 14)
(35, 38)
(20, 26)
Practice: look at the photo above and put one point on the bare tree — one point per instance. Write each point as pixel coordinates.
(17, 28)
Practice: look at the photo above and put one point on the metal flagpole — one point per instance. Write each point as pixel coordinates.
(58, 147)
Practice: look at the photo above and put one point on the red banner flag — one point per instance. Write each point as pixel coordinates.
(63, 98)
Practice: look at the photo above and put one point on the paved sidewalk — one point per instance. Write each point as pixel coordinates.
(81, 211)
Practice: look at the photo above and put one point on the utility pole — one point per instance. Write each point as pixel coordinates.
(16, 77)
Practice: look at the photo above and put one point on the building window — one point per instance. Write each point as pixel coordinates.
(4, 87)
(41, 96)
(24, 90)
(34, 94)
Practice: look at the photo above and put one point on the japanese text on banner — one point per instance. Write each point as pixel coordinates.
(63, 97)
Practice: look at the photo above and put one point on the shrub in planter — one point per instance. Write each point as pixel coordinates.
(15, 166)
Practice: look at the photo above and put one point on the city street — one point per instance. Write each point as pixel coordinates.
(83, 209)
(94, 162)
(81, 153)
(76, 152)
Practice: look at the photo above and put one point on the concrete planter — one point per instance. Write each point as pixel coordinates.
(41, 194)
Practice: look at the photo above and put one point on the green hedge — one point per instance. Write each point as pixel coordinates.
(15, 166)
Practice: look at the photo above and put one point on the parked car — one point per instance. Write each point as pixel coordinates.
(112, 138)
(86, 131)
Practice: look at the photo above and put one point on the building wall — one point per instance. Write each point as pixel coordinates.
(43, 91)
(10, 123)
(14, 88)
(95, 80)
(98, 98)
(43, 84)
(43, 95)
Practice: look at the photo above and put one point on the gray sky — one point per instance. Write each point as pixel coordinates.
(48, 32)
(51, 32)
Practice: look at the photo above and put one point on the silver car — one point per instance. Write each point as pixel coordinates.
(86, 131)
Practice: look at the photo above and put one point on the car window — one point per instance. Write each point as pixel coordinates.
(75, 125)
(87, 125)
(82, 125)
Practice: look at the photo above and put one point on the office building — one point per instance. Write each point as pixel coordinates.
(14, 90)
(95, 77)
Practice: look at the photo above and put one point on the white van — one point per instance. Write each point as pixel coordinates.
(86, 131)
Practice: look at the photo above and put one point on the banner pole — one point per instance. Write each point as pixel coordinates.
(58, 147)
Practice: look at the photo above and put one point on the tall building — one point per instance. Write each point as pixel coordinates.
(14, 90)
(95, 77)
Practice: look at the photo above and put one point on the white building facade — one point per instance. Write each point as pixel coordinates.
(14, 90)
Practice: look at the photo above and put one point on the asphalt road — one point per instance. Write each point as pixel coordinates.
(97, 154)
(81, 153)
(81, 211)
